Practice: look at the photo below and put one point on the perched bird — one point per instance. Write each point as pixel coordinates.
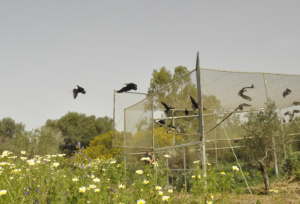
(186, 112)
(241, 93)
(128, 87)
(241, 106)
(161, 122)
(195, 104)
(235, 141)
(78, 90)
(296, 103)
(286, 92)
(167, 107)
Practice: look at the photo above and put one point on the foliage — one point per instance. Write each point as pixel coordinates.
(291, 166)
(101, 147)
(76, 127)
(8, 129)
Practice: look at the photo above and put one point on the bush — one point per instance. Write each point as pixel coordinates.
(291, 166)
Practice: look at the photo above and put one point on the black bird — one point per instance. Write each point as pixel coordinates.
(241, 106)
(286, 92)
(296, 103)
(78, 90)
(128, 87)
(186, 112)
(235, 141)
(195, 104)
(161, 122)
(291, 114)
(241, 93)
(167, 107)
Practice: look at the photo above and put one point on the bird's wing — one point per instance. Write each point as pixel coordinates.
(246, 97)
(165, 105)
(75, 93)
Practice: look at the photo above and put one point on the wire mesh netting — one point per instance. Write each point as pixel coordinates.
(167, 119)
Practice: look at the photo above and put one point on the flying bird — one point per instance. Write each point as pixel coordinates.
(241, 106)
(167, 107)
(195, 104)
(296, 103)
(286, 92)
(78, 90)
(241, 93)
(128, 87)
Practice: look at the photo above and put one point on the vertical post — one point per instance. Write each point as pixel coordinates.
(125, 142)
(273, 140)
(216, 150)
(283, 138)
(114, 118)
(184, 167)
(173, 131)
(152, 107)
(200, 113)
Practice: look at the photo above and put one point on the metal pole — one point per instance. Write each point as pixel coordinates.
(200, 112)
(273, 140)
(184, 167)
(125, 143)
(216, 142)
(114, 118)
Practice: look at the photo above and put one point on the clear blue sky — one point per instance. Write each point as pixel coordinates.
(49, 47)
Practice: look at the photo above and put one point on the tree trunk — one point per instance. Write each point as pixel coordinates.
(263, 170)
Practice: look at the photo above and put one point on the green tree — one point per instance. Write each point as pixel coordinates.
(261, 128)
(49, 141)
(76, 127)
(9, 129)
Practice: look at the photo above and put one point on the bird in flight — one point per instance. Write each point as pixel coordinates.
(78, 90)
(286, 92)
(296, 103)
(128, 87)
(195, 104)
(241, 93)
(241, 106)
(167, 107)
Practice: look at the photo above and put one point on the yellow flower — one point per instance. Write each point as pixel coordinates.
(145, 182)
(235, 168)
(271, 190)
(209, 202)
(82, 189)
(223, 173)
(11, 178)
(3, 192)
(139, 172)
(55, 164)
(196, 162)
(193, 176)
(199, 177)
(209, 164)
(75, 179)
(166, 156)
(141, 201)
(170, 191)
(61, 155)
(121, 186)
(165, 198)
(96, 180)
(212, 196)
(97, 190)
(160, 193)
(92, 186)
(113, 162)
(275, 191)
(23, 152)
(157, 188)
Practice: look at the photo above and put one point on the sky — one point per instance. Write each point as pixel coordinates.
(49, 47)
